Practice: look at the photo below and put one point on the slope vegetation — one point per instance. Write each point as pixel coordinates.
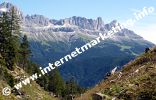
(28, 92)
(136, 81)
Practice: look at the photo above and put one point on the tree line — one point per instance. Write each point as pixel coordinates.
(15, 51)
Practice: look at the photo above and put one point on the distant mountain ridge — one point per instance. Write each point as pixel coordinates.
(81, 22)
(52, 39)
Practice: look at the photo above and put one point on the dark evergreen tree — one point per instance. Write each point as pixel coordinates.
(15, 21)
(8, 41)
(6, 45)
(25, 52)
(15, 30)
(43, 82)
(72, 89)
(56, 83)
(147, 50)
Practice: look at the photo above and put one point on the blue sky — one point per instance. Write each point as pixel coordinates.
(109, 10)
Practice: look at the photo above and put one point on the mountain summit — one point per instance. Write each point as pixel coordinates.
(7, 6)
(52, 39)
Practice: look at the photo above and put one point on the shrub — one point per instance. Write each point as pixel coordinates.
(9, 78)
(146, 50)
(146, 95)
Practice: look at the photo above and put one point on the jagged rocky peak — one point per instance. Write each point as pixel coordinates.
(100, 23)
(113, 23)
(8, 7)
(81, 22)
(37, 19)
(85, 23)
(110, 25)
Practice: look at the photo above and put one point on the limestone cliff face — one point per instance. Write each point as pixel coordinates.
(51, 39)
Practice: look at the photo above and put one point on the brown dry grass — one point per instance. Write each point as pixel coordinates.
(138, 76)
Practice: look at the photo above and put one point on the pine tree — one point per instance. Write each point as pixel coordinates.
(56, 83)
(72, 89)
(25, 52)
(15, 30)
(15, 21)
(7, 47)
(8, 42)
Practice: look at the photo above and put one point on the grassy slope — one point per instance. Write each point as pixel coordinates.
(138, 78)
(31, 92)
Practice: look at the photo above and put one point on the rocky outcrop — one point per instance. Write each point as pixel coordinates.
(8, 7)
(81, 22)
(39, 20)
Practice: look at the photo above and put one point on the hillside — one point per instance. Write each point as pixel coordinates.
(136, 81)
(51, 39)
(28, 92)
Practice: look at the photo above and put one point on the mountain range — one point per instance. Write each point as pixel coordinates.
(52, 39)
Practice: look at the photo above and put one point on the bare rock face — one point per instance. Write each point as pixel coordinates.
(51, 39)
(8, 7)
(81, 22)
(100, 23)
(85, 23)
(36, 19)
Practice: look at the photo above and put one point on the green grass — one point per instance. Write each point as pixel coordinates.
(31, 92)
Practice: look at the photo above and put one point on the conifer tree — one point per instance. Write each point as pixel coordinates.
(7, 47)
(56, 83)
(8, 41)
(15, 21)
(15, 30)
(25, 52)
